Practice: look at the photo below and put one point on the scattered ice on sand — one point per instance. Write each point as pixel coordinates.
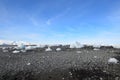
(28, 64)
(3, 48)
(23, 51)
(70, 73)
(63, 78)
(5, 51)
(113, 60)
(95, 56)
(58, 49)
(78, 51)
(15, 51)
(101, 78)
(43, 57)
(104, 70)
(95, 49)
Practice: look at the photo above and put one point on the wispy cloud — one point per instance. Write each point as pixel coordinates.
(56, 17)
(34, 22)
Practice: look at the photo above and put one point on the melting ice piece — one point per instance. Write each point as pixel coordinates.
(95, 56)
(48, 49)
(28, 64)
(29, 47)
(20, 46)
(23, 51)
(58, 49)
(113, 60)
(15, 51)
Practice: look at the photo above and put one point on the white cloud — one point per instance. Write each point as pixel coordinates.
(34, 22)
(56, 17)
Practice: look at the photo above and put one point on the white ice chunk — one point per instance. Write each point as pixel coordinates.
(76, 45)
(113, 60)
(95, 49)
(58, 49)
(15, 51)
(48, 49)
(29, 47)
(20, 46)
(28, 64)
(23, 51)
(95, 56)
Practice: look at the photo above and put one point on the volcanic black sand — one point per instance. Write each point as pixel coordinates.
(62, 65)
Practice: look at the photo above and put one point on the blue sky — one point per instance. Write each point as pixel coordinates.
(60, 21)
